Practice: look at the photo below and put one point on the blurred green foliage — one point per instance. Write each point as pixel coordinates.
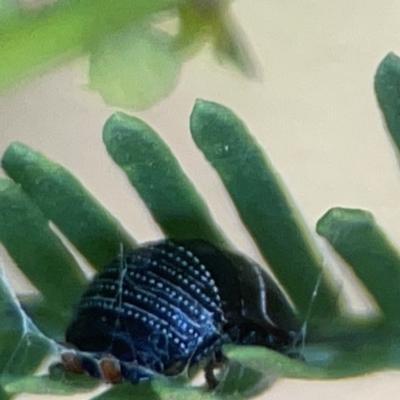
(133, 61)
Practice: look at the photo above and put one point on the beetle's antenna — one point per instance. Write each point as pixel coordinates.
(303, 330)
(121, 255)
(122, 270)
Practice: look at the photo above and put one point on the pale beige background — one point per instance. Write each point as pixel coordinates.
(314, 113)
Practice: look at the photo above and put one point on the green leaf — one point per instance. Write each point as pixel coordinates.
(11, 327)
(212, 21)
(27, 355)
(3, 394)
(37, 251)
(387, 88)
(8, 9)
(65, 201)
(154, 390)
(347, 350)
(241, 381)
(357, 238)
(134, 68)
(231, 47)
(22, 346)
(63, 30)
(157, 176)
(272, 363)
(47, 385)
(126, 391)
(263, 204)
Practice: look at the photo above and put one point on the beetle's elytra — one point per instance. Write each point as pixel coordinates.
(166, 306)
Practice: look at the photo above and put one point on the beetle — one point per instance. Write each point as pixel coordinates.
(167, 306)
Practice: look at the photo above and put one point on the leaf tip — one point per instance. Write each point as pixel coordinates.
(335, 219)
(119, 125)
(206, 113)
(390, 64)
(203, 106)
(16, 154)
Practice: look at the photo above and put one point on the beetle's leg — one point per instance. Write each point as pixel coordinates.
(134, 374)
(110, 369)
(217, 361)
(72, 362)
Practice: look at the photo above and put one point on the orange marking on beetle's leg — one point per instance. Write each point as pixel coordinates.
(72, 362)
(110, 369)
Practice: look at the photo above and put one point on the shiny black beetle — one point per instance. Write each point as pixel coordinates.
(167, 306)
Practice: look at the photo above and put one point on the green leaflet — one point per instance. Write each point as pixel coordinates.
(46, 384)
(65, 201)
(263, 205)
(157, 176)
(22, 347)
(387, 89)
(38, 252)
(134, 68)
(365, 352)
(357, 238)
(213, 22)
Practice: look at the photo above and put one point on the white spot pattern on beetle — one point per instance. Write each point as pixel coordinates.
(159, 306)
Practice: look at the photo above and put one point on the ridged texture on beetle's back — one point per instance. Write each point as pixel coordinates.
(255, 309)
(157, 307)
